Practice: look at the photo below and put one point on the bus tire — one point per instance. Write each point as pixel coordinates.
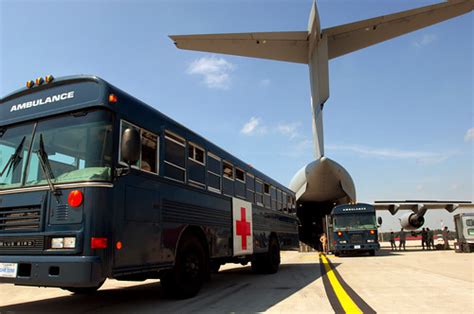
(189, 272)
(337, 254)
(268, 263)
(372, 252)
(85, 290)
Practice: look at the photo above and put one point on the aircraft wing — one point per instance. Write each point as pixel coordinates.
(350, 37)
(421, 206)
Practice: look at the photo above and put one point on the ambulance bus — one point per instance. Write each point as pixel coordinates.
(354, 229)
(95, 184)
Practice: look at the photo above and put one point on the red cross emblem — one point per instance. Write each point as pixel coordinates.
(243, 228)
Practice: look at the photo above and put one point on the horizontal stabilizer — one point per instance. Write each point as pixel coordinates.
(350, 37)
(282, 46)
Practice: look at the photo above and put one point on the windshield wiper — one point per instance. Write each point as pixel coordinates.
(15, 158)
(46, 167)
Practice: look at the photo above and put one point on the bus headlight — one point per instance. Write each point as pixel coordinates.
(370, 241)
(343, 241)
(63, 243)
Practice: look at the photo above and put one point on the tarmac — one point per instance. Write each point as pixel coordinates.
(390, 282)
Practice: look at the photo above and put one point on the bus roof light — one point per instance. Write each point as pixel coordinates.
(372, 231)
(39, 81)
(49, 78)
(339, 233)
(75, 198)
(113, 98)
(30, 84)
(98, 243)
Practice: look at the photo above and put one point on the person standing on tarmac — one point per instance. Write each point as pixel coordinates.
(430, 239)
(403, 238)
(424, 238)
(392, 241)
(324, 242)
(445, 234)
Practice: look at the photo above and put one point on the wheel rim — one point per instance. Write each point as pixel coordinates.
(192, 267)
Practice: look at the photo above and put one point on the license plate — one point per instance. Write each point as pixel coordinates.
(356, 246)
(8, 270)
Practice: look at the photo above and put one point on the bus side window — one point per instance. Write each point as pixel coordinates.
(123, 126)
(174, 164)
(259, 192)
(283, 202)
(279, 204)
(250, 183)
(239, 183)
(213, 173)
(266, 195)
(273, 195)
(149, 152)
(196, 166)
(228, 183)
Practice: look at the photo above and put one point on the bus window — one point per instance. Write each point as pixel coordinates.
(273, 195)
(279, 205)
(266, 195)
(196, 166)
(228, 171)
(239, 183)
(259, 192)
(213, 173)
(196, 154)
(149, 152)
(283, 202)
(149, 148)
(288, 203)
(228, 174)
(250, 183)
(174, 165)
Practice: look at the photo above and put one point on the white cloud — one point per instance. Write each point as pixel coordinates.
(469, 135)
(265, 82)
(289, 129)
(253, 127)
(425, 40)
(419, 156)
(216, 71)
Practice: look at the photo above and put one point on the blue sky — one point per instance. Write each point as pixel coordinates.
(399, 118)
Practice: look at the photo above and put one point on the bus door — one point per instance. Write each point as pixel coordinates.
(138, 208)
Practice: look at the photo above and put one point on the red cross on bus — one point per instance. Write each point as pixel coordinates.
(243, 228)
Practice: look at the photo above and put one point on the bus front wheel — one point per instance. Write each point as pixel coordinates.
(189, 271)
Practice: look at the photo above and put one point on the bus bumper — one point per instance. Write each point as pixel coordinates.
(54, 271)
(357, 247)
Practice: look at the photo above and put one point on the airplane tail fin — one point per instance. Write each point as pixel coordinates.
(316, 47)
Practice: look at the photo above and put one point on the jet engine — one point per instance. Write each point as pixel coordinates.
(319, 186)
(412, 221)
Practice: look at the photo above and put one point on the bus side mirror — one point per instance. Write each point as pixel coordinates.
(130, 148)
(379, 220)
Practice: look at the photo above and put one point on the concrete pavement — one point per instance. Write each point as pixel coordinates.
(411, 281)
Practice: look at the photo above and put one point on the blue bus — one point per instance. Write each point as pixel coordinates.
(354, 229)
(95, 184)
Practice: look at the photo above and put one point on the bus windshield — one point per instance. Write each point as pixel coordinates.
(355, 221)
(78, 148)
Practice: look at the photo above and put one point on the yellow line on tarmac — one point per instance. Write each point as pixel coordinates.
(347, 303)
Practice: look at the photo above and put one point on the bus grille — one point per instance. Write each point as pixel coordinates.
(20, 219)
(357, 238)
